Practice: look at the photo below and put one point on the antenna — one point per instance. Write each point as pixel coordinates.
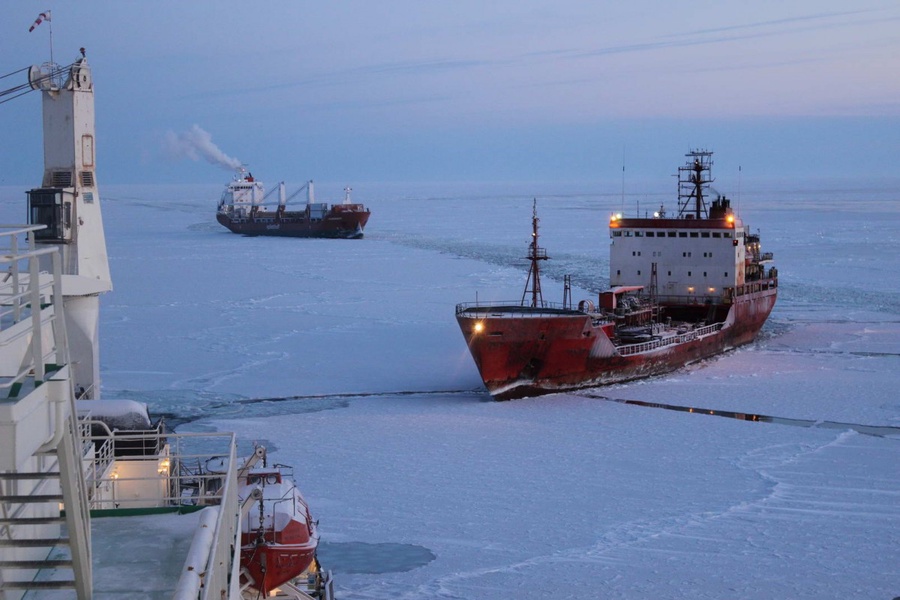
(693, 182)
(535, 254)
(623, 180)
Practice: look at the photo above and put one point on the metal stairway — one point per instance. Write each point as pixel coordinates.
(26, 535)
(44, 517)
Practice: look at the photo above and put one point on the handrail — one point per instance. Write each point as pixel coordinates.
(224, 561)
(22, 297)
(169, 459)
(16, 229)
(515, 306)
(629, 349)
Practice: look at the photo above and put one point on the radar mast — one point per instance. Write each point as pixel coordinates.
(693, 183)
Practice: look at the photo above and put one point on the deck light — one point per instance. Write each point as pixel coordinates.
(479, 327)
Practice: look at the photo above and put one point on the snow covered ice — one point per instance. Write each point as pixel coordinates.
(345, 359)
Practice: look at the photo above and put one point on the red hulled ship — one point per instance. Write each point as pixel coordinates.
(242, 210)
(682, 288)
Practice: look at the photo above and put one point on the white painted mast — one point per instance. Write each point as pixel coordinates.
(68, 202)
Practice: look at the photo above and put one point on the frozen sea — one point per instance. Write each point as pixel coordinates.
(344, 358)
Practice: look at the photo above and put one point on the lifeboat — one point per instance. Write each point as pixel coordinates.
(278, 534)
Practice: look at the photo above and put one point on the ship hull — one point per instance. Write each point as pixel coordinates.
(541, 352)
(269, 565)
(343, 226)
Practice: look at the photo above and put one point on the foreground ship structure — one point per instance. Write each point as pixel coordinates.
(682, 288)
(69, 458)
(242, 209)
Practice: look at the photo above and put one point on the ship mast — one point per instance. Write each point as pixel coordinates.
(693, 180)
(536, 253)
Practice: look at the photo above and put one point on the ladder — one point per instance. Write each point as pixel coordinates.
(44, 513)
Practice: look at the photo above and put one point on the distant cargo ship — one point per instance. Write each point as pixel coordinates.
(683, 288)
(241, 209)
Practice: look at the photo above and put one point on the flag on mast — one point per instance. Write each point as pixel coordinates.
(44, 16)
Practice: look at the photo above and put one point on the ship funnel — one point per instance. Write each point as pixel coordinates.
(310, 192)
(347, 191)
(282, 199)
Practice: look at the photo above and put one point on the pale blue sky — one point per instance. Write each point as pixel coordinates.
(465, 90)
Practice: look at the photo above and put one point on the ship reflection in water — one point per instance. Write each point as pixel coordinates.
(875, 430)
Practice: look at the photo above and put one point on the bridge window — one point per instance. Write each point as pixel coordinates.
(717, 234)
(695, 234)
(682, 234)
(670, 234)
(704, 234)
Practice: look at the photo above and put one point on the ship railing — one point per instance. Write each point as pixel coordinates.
(90, 453)
(688, 336)
(223, 565)
(514, 308)
(755, 286)
(689, 300)
(154, 469)
(179, 472)
(24, 294)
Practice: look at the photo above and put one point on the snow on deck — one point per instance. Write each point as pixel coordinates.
(140, 558)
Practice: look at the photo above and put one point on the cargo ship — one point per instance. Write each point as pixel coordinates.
(242, 210)
(682, 288)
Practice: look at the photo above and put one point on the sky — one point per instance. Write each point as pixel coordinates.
(468, 91)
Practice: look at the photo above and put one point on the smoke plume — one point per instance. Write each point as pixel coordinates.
(195, 143)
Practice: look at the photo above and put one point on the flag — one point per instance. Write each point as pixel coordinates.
(44, 16)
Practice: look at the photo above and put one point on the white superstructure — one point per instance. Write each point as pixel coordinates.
(693, 257)
(701, 254)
